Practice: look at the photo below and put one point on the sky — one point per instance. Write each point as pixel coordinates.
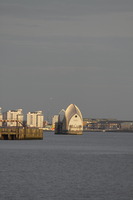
(57, 52)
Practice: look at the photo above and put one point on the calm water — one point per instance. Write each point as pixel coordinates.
(94, 166)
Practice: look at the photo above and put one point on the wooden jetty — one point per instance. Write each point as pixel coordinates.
(20, 133)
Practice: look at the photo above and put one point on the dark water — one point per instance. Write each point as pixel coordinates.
(94, 166)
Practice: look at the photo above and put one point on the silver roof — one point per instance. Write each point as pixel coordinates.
(71, 110)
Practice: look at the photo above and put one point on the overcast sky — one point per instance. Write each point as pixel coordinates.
(57, 52)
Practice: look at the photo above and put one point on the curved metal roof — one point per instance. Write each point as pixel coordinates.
(71, 110)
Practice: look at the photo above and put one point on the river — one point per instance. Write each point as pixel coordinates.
(92, 166)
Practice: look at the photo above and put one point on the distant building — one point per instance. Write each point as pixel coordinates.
(13, 118)
(70, 121)
(1, 117)
(35, 119)
(107, 124)
(54, 121)
(127, 126)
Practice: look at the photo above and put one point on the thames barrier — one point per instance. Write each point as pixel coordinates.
(70, 121)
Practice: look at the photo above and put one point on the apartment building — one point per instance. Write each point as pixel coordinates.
(35, 119)
(13, 118)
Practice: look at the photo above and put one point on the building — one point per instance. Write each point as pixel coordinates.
(70, 121)
(127, 126)
(13, 118)
(54, 121)
(35, 119)
(107, 125)
(1, 117)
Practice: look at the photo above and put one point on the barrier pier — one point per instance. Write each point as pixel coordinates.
(20, 133)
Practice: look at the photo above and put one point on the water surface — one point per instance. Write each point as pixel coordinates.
(92, 166)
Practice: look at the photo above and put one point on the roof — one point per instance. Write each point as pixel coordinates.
(71, 110)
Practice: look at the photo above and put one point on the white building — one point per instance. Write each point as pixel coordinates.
(35, 119)
(13, 117)
(1, 117)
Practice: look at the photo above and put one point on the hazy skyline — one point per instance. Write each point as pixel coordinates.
(57, 52)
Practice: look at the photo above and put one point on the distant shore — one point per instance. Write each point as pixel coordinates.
(107, 130)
